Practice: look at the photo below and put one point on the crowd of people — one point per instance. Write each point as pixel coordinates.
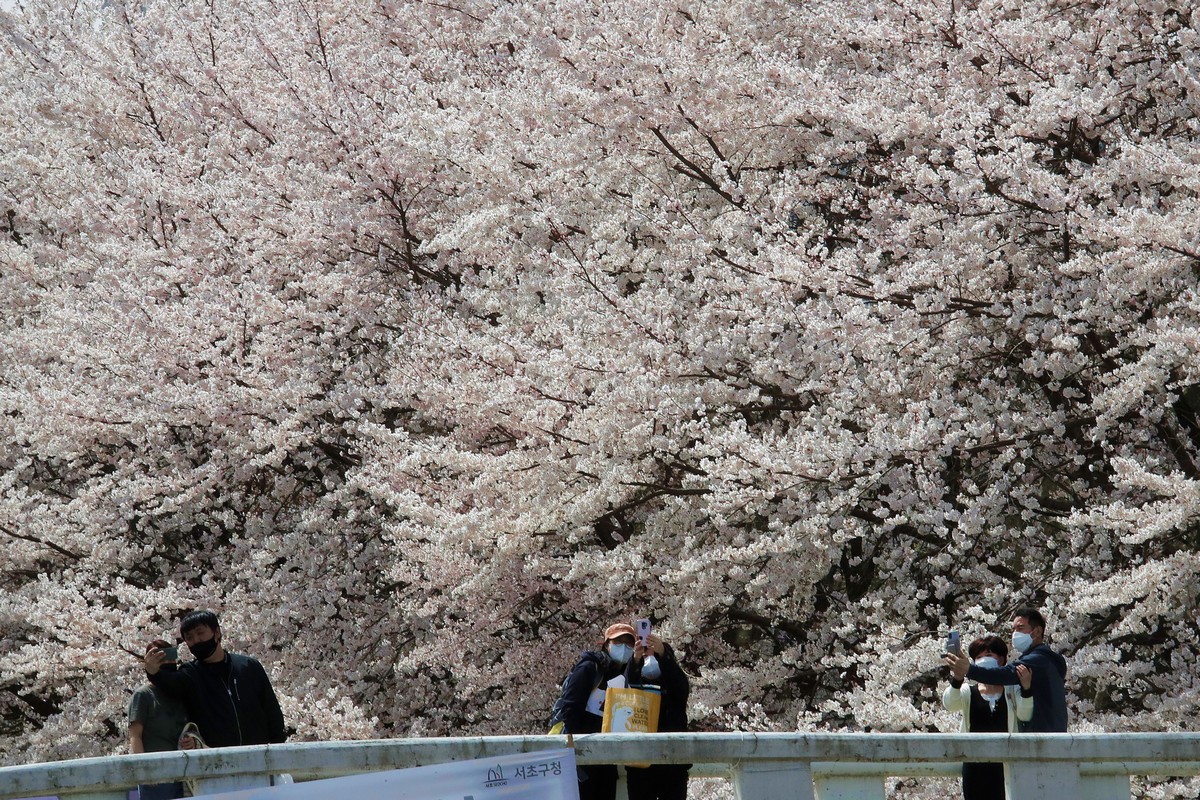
(221, 699)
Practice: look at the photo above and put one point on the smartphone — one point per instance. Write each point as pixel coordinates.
(643, 630)
(954, 642)
(170, 655)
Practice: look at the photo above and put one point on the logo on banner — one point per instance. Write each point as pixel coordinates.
(523, 772)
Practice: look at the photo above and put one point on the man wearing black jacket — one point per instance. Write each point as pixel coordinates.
(228, 696)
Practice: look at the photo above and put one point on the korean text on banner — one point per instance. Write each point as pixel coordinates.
(541, 775)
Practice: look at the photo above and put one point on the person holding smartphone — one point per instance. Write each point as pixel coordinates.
(643, 659)
(987, 709)
(579, 707)
(654, 665)
(228, 695)
(155, 722)
(1048, 666)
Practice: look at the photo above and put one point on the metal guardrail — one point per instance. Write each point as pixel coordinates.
(764, 766)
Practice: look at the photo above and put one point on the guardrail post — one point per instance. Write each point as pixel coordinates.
(1043, 780)
(773, 780)
(622, 784)
(849, 787)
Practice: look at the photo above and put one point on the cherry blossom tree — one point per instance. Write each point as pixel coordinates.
(424, 339)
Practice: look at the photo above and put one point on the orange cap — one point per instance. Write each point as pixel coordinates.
(619, 629)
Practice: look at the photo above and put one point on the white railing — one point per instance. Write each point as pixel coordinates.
(764, 766)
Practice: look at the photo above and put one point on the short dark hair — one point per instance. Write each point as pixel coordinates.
(988, 644)
(198, 618)
(1035, 618)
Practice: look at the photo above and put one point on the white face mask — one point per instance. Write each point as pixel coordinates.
(650, 668)
(620, 653)
(987, 662)
(1022, 642)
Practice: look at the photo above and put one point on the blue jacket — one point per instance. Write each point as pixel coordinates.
(591, 672)
(1049, 687)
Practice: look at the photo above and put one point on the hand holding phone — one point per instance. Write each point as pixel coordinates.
(170, 655)
(643, 631)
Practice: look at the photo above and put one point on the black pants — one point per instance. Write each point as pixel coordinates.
(598, 782)
(983, 781)
(161, 791)
(658, 782)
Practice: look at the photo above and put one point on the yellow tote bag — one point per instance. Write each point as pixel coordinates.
(630, 711)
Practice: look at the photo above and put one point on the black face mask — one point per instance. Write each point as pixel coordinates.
(202, 650)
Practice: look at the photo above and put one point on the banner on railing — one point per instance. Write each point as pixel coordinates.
(542, 775)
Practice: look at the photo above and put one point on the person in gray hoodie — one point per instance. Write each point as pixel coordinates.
(1049, 670)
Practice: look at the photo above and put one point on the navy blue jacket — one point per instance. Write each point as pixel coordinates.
(591, 672)
(1049, 687)
(231, 701)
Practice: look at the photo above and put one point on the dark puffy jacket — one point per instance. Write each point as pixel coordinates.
(592, 671)
(231, 701)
